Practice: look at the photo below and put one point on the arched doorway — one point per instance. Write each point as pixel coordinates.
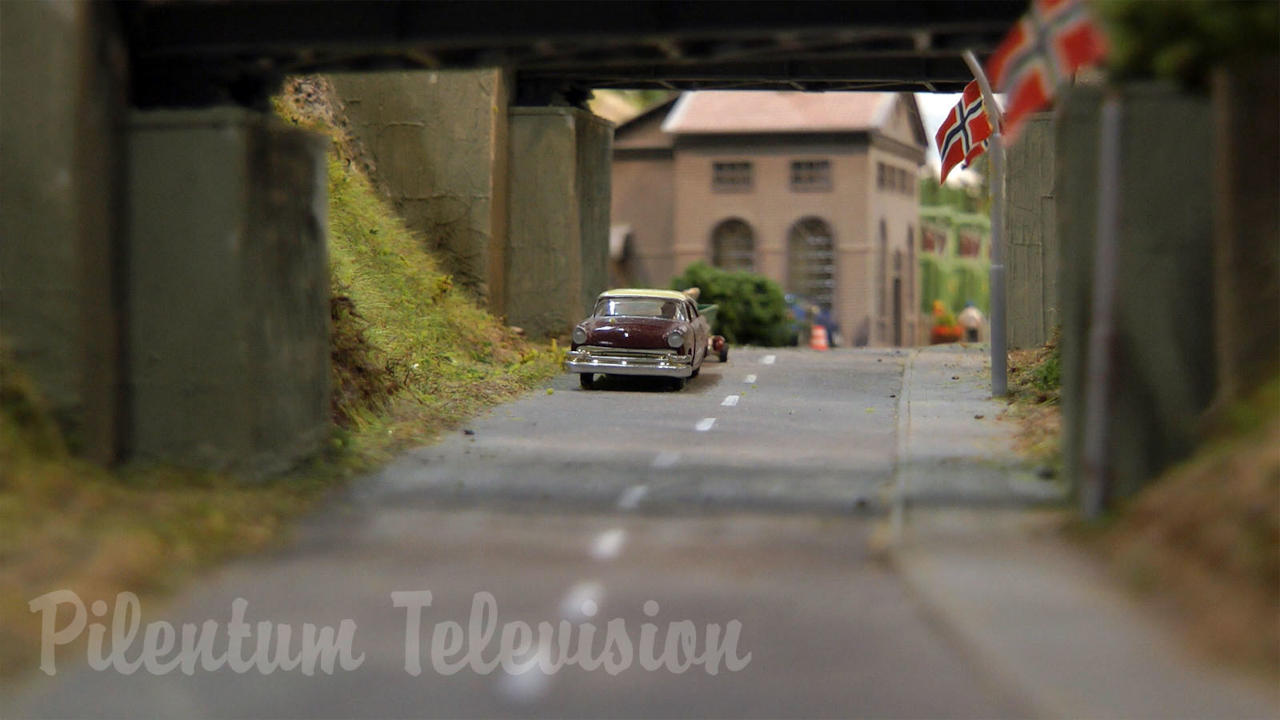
(733, 246)
(811, 261)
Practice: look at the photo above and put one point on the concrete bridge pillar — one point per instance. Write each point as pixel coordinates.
(227, 290)
(558, 242)
(163, 279)
(1162, 368)
(61, 181)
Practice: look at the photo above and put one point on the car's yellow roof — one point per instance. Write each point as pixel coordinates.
(645, 292)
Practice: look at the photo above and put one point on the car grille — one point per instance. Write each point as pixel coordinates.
(624, 352)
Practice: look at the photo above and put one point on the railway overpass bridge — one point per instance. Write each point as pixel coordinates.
(163, 273)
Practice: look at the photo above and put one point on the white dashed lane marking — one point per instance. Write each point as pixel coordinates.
(768, 359)
(608, 544)
(632, 496)
(705, 424)
(582, 601)
(666, 459)
(730, 401)
(749, 379)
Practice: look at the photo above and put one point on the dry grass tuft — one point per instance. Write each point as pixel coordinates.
(1034, 379)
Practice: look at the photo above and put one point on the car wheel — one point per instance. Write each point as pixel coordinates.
(724, 354)
(677, 384)
(587, 381)
(695, 373)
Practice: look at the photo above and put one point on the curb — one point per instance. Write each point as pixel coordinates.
(1038, 620)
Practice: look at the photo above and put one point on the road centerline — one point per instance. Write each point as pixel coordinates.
(705, 424)
(631, 497)
(730, 401)
(582, 601)
(608, 544)
(665, 459)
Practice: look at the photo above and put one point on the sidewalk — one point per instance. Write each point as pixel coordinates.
(974, 537)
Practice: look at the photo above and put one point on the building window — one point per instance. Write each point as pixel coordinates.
(933, 240)
(894, 179)
(810, 175)
(733, 246)
(731, 176)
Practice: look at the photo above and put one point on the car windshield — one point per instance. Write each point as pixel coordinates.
(640, 307)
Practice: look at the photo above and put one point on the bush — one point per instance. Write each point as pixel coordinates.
(1184, 41)
(752, 308)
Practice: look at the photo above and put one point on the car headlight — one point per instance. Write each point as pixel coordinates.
(579, 335)
(676, 339)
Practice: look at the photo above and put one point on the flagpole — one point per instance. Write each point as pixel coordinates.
(999, 350)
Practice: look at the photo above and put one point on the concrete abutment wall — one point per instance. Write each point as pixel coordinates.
(515, 199)
(439, 143)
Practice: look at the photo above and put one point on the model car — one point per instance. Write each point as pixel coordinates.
(662, 333)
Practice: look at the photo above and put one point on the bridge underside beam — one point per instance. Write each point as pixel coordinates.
(236, 51)
(882, 72)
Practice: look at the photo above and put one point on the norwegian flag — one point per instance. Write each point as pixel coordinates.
(963, 135)
(1042, 52)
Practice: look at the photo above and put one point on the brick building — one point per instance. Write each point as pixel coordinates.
(814, 190)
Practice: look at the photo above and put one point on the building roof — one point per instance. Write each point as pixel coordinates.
(767, 111)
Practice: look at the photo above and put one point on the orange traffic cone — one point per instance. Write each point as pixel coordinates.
(818, 338)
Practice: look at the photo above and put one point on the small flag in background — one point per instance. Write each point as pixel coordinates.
(963, 135)
(1040, 55)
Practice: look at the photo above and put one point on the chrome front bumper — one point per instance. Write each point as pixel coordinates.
(628, 362)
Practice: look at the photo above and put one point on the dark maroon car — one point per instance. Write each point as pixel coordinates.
(662, 333)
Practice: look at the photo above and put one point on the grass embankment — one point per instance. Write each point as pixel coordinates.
(1203, 541)
(412, 356)
(420, 354)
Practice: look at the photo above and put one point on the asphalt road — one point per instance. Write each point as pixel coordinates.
(745, 501)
